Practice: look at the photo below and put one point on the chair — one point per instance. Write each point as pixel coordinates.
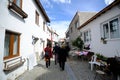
(93, 61)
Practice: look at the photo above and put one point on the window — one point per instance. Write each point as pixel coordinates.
(87, 36)
(18, 3)
(11, 45)
(114, 29)
(71, 29)
(111, 29)
(43, 26)
(105, 30)
(37, 18)
(76, 24)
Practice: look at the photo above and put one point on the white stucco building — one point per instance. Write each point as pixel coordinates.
(102, 31)
(80, 17)
(23, 35)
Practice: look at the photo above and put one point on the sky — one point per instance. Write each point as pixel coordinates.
(61, 12)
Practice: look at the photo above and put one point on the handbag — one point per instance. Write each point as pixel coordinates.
(46, 54)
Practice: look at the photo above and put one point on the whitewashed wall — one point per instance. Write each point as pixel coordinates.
(1, 50)
(27, 28)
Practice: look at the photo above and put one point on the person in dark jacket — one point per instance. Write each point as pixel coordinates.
(56, 50)
(67, 48)
(62, 57)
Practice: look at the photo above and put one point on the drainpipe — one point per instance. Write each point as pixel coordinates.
(27, 63)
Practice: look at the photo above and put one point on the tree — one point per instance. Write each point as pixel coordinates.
(78, 43)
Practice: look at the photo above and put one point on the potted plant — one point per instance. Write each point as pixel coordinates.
(101, 57)
(78, 42)
(103, 40)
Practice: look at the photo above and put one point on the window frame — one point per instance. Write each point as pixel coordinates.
(36, 17)
(87, 38)
(20, 3)
(11, 45)
(43, 26)
(113, 29)
(71, 29)
(109, 29)
(76, 24)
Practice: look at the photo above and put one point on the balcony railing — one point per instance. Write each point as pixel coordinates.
(13, 7)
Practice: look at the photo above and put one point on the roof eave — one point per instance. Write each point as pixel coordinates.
(43, 11)
(100, 13)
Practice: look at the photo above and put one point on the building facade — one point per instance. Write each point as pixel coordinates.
(23, 35)
(72, 32)
(102, 31)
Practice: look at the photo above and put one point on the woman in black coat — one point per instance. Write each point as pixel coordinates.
(62, 57)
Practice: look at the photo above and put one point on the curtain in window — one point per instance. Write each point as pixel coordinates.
(6, 45)
(15, 48)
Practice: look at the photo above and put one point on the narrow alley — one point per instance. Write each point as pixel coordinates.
(74, 70)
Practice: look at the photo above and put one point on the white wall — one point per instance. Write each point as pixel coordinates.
(27, 28)
(1, 50)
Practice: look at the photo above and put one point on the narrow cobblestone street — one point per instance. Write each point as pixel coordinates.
(74, 70)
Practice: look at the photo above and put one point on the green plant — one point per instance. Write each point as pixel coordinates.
(78, 42)
(101, 57)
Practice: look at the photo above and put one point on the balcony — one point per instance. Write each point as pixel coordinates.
(13, 7)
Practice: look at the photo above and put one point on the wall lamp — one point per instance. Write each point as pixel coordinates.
(34, 39)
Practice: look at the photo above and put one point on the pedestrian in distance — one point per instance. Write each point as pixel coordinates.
(48, 55)
(56, 50)
(62, 57)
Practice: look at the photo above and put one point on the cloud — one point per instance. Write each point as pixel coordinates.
(60, 27)
(107, 2)
(63, 1)
(47, 3)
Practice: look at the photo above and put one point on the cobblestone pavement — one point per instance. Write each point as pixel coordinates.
(74, 70)
(82, 71)
(40, 72)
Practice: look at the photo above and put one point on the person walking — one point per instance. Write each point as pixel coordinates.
(62, 57)
(56, 50)
(48, 55)
(67, 49)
